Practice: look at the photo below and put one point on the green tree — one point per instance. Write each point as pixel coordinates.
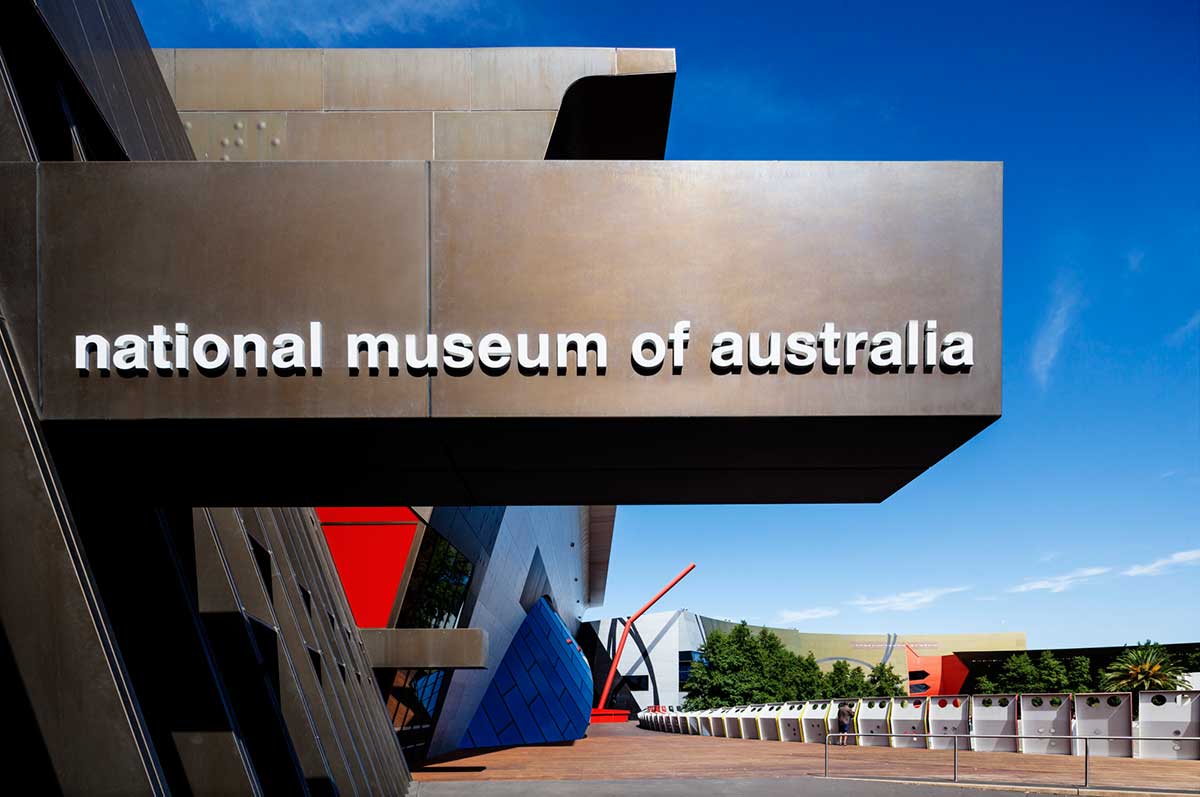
(1147, 666)
(842, 680)
(740, 667)
(1052, 673)
(884, 682)
(1018, 674)
(1079, 674)
(810, 681)
(859, 685)
(779, 668)
(985, 686)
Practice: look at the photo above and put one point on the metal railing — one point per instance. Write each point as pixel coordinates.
(969, 736)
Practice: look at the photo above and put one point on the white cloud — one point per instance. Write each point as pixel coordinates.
(1061, 583)
(1184, 332)
(905, 601)
(330, 22)
(1054, 328)
(800, 615)
(1159, 565)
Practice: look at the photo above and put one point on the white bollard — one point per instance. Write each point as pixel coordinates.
(1045, 723)
(815, 721)
(789, 722)
(872, 722)
(718, 723)
(1103, 714)
(1173, 715)
(907, 718)
(733, 722)
(948, 714)
(994, 715)
(768, 722)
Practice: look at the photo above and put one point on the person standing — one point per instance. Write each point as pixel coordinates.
(845, 720)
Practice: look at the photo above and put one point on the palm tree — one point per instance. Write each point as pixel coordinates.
(1148, 666)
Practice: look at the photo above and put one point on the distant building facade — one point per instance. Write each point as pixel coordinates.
(663, 647)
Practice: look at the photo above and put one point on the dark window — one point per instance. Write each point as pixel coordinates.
(637, 683)
(687, 658)
(58, 118)
(412, 703)
(918, 688)
(436, 592)
(438, 587)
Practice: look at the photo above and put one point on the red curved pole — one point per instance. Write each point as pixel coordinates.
(612, 671)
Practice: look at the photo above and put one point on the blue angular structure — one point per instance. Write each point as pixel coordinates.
(542, 689)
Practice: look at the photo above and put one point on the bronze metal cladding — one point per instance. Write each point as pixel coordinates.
(264, 248)
(623, 248)
(617, 248)
(409, 648)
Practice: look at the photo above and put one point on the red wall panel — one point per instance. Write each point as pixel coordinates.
(369, 546)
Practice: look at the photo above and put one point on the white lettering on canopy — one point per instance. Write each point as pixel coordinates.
(918, 348)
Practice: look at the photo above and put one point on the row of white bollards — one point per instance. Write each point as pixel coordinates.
(1168, 725)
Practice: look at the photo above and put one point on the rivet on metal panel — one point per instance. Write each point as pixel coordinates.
(238, 125)
(187, 125)
(275, 142)
(239, 142)
(224, 142)
(262, 125)
(224, 157)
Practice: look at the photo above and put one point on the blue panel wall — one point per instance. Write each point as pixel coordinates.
(541, 692)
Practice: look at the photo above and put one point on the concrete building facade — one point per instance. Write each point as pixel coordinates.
(665, 645)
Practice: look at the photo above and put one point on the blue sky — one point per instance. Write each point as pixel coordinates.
(1076, 517)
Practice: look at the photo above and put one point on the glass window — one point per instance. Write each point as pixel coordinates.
(637, 683)
(686, 659)
(438, 586)
(412, 703)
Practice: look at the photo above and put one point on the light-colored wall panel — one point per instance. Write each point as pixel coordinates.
(166, 65)
(532, 78)
(366, 135)
(196, 125)
(235, 80)
(229, 136)
(640, 61)
(492, 135)
(397, 79)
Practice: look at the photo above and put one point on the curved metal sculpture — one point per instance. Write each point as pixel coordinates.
(601, 714)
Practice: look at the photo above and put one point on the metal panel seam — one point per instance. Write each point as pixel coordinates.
(38, 378)
(429, 276)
